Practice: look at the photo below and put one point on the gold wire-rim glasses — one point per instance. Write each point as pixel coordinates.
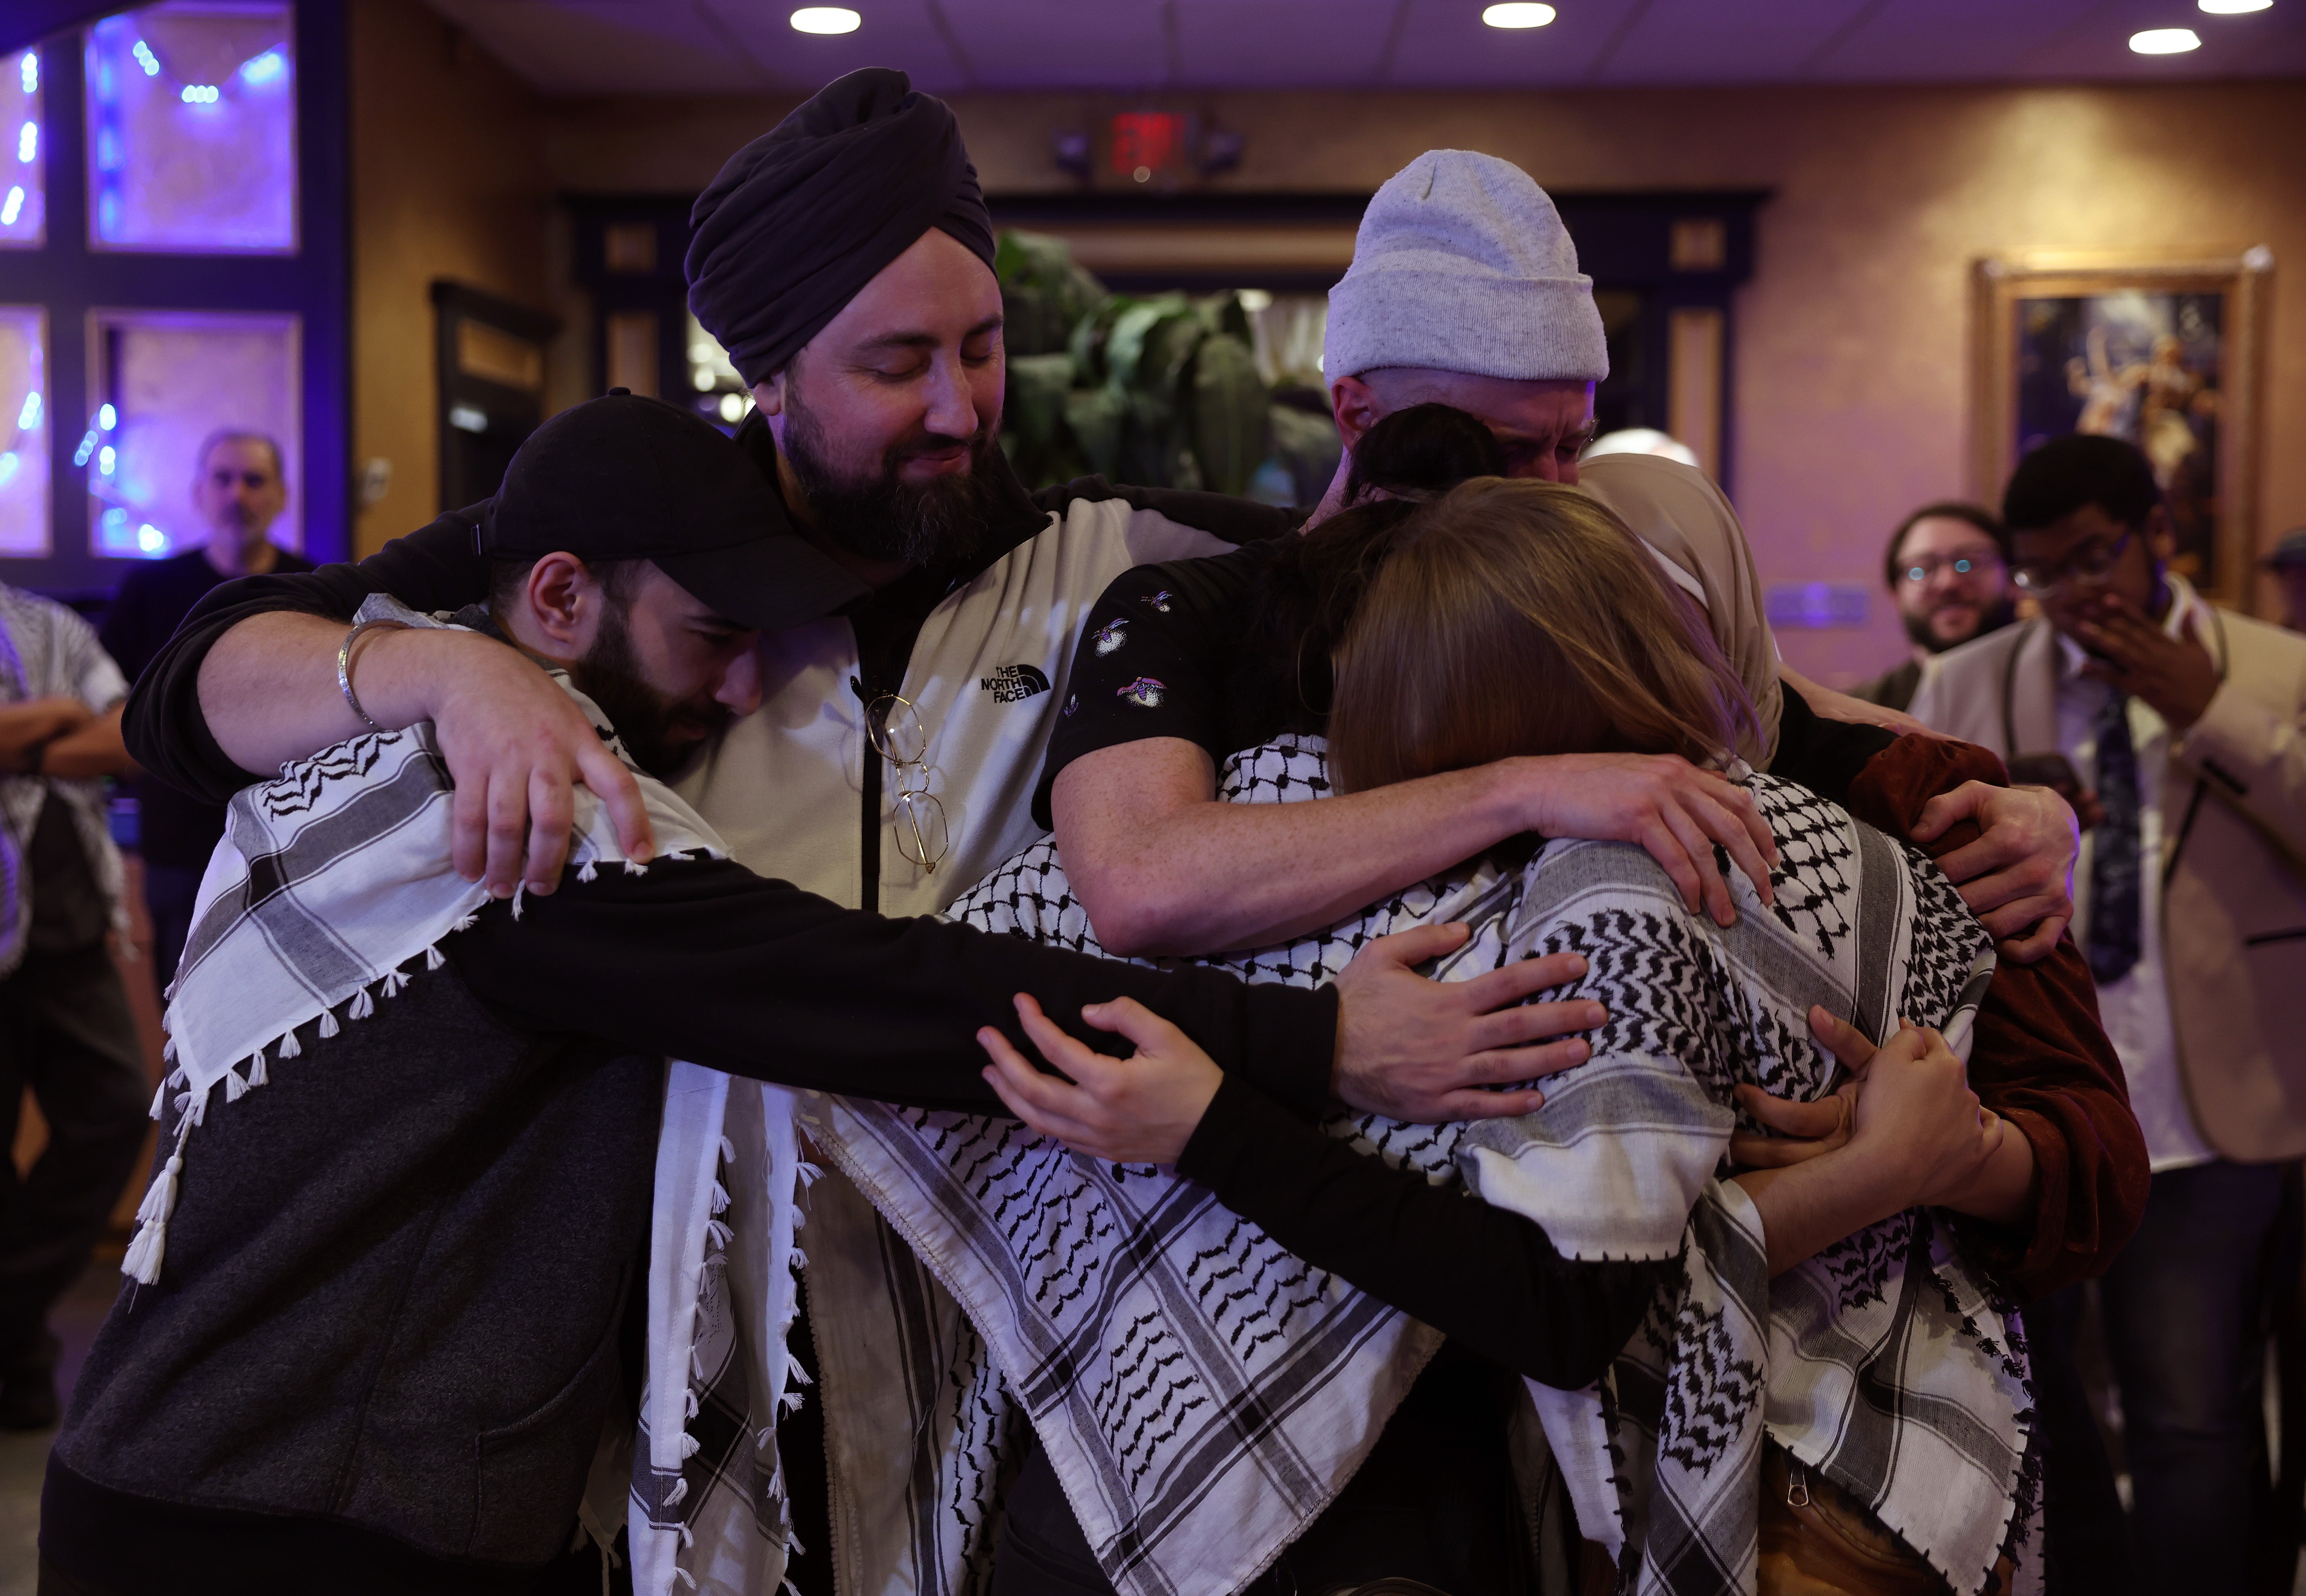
(892, 724)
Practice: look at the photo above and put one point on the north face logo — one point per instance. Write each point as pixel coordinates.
(1013, 682)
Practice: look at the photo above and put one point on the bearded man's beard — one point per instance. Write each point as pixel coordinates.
(1995, 617)
(938, 523)
(661, 733)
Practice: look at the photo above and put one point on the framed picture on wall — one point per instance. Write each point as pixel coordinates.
(2163, 351)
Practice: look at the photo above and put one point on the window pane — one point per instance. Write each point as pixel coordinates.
(191, 129)
(166, 380)
(23, 432)
(23, 160)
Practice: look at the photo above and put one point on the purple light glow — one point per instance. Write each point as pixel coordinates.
(191, 130)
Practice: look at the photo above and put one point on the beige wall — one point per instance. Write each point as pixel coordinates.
(1851, 385)
(448, 181)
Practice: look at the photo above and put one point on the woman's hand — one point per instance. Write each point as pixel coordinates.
(1905, 1109)
(1917, 1120)
(1138, 1110)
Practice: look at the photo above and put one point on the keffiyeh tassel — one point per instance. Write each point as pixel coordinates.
(288, 1046)
(433, 959)
(150, 1245)
(329, 1026)
(363, 1006)
(256, 1072)
(393, 980)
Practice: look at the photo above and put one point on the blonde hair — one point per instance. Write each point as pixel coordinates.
(1514, 618)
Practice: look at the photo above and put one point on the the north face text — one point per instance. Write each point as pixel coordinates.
(1013, 682)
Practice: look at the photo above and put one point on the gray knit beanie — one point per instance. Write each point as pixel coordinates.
(1462, 264)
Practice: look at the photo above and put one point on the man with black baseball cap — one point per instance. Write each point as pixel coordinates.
(405, 1185)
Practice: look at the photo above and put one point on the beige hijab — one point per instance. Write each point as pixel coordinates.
(1691, 529)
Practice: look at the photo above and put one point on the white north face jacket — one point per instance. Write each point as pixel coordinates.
(797, 792)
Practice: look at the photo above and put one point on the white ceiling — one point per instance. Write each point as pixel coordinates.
(720, 47)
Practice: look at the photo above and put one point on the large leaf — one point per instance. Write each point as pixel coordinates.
(1125, 351)
(1094, 416)
(1308, 448)
(1165, 371)
(1034, 410)
(1228, 410)
(1091, 335)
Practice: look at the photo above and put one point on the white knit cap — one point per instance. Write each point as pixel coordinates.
(1462, 264)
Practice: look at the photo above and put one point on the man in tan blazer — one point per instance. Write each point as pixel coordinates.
(2187, 723)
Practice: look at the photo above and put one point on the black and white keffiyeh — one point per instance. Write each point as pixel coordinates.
(1202, 1394)
(328, 881)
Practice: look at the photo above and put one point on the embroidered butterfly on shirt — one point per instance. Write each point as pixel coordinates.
(1158, 601)
(1110, 636)
(1144, 692)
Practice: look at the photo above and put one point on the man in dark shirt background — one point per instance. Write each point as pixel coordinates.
(239, 492)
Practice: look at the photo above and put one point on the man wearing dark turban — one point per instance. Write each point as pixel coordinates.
(919, 652)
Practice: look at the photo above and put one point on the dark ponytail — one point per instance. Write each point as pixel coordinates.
(1316, 581)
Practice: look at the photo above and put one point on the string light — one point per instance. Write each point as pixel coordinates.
(106, 417)
(199, 94)
(28, 143)
(28, 416)
(8, 464)
(29, 69)
(12, 207)
(269, 67)
(145, 58)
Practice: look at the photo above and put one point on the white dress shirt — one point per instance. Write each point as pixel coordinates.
(2136, 1009)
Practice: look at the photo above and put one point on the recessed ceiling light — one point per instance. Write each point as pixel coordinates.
(825, 19)
(1517, 14)
(2233, 8)
(2165, 41)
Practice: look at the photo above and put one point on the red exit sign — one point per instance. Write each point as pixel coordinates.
(1146, 143)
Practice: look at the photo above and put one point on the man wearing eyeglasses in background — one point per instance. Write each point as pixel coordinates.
(2186, 720)
(1948, 573)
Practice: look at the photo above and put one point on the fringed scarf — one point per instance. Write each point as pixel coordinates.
(1202, 1394)
(332, 879)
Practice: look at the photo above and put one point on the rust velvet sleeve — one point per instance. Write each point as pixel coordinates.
(2040, 1059)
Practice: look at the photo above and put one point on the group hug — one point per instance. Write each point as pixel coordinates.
(782, 1012)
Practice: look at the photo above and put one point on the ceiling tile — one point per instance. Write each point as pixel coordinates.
(1061, 44)
(1949, 40)
(1280, 43)
(899, 33)
(1706, 41)
(2264, 43)
(606, 47)
(1445, 44)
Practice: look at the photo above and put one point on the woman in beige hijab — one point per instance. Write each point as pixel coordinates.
(1689, 524)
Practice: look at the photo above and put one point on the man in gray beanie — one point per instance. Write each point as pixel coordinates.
(1464, 291)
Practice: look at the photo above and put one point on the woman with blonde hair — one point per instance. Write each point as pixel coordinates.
(1203, 1390)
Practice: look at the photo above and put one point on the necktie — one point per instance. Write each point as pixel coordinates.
(2114, 854)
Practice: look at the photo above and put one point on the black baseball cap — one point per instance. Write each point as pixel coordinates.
(627, 477)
